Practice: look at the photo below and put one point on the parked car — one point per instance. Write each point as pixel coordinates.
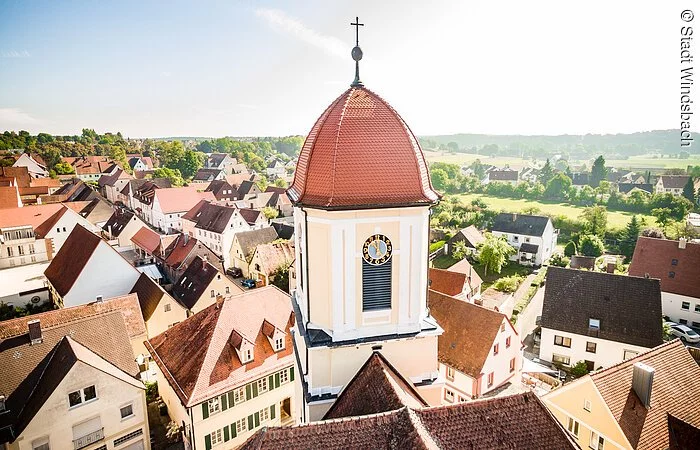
(686, 334)
(235, 272)
(249, 283)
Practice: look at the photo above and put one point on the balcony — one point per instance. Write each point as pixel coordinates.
(88, 439)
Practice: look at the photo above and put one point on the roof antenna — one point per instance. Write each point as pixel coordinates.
(357, 52)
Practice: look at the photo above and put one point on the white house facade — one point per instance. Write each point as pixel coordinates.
(533, 237)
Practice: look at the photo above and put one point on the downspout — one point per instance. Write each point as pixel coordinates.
(193, 441)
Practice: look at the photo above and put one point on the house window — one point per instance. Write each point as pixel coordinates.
(20, 249)
(84, 395)
(591, 347)
(449, 396)
(31, 248)
(264, 414)
(562, 341)
(672, 274)
(683, 321)
(685, 305)
(489, 381)
(279, 344)
(503, 327)
(214, 406)
(9, 251)
(594, 324)
(212, 293)
(239, 395)
(587, 405)
(561, 359)
(376, 286)
(166, 307)
(495, 349)
(64, 228)
(573, 426)
(696, 324)
(58, 230)
(228, 290)
(597, 442)
(627, 354)
(41, 444)
(674, 262)
(216, 437)
(262, 385)
(284, 376)
(697, 307)
(241, 426)
(512, 365)
(508, 342)
(126, 411)
(450, 373)
(247, 355)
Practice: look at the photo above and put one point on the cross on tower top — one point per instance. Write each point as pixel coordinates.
(357, 51)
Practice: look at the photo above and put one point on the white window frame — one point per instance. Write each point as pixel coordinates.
(284, 376)
(587, 405)
(123, 417)
(596, 442)
(217, 437)
(573, 426)
(450, 373)
(38, 444)
(241, 425)
(262, 385)
(167, 307)
(264, 414)
(81, 391)
(279, 344)
(214, 406)
(449, 395)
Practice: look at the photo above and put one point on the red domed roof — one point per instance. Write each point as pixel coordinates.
(361, 154)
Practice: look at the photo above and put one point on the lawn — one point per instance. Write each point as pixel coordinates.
(616, 219)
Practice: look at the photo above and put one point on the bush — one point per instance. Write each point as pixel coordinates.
(436, 246)
(570, 249)
(579, 370)
(591, 245)
(151, 391)
(559, 260)
(508, 284)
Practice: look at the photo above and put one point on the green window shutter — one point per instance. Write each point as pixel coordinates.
(207, 442)
(255, 389)
(271, 382)
(257, 419)
(291, 373)
(226, 437)
(277, 380)
(233, 430)
(250, 422)
(248, 392)
(205, 410)
(224, 402)
(272, 411)
(231, 401)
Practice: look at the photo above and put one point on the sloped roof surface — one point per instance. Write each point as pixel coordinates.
(66, 266)
(662, 258)
(520, 224)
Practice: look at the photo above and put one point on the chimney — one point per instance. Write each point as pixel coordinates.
(98, 299)
(610, 267)
(185, 239)
(681, 242)
(34, 327)
(642, 381)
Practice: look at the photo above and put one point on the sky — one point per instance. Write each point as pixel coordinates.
(270, 68)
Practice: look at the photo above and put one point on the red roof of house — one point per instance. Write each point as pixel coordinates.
(147, 239)
(677, 268)
(180, 199)
(361, 153)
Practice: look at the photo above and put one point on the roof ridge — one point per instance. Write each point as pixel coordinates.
(421, 429)
(651, 352)
(337, 138)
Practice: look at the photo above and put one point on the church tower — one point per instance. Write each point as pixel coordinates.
(362, 197)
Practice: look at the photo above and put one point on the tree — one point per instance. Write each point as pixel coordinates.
(570, 249)
(689, 190)
(591, 245)
(279, 182)
(598, 172)
(171, 174)
(559, 260)
(579, 369)
(558, 187)
(270, 212)
(460, 250)
(63, 168)
(663, 215)
(508, 284)
(280, 278)
(546, 173)
(629, 240)
(494, 253)
(595, 219)
(439, 178)
(262, 182)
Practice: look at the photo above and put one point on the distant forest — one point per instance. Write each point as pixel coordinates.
(614, 146)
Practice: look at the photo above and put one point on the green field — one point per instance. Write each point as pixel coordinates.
(616, 219)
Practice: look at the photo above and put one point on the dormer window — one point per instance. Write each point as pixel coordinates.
(594, 324)
(247, 355)
(279, 344)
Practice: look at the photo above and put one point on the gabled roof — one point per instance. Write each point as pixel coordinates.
(676, 381)
(175, 200)
(178, 250)
(503, 175)
(149, 295)
(470, 331)
(66, 266)
(626, 187)
(9, 197)
(464, 267)
(30, 373)
(111, 179)
(446, 282)
(249, 240)
(628, 307)
(118, 221)
(579, 179)
(34, 215)
(76, 190)
(520, 224)
(193, 282)
(147, 239)
(245, 187)
(656, 258)
(472, 235)
(274, 255)
(197, 357)
(250, 215)
(21, 174)
(674, 181)
(516, 422)
(211, 216)
(207, 174)
(217, 187)
(46, 227)
(376, 388)
(215, 159)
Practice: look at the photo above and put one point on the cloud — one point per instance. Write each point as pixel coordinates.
(14, 116)
(280, 21)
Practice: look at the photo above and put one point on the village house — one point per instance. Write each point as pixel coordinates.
(267, 258)
(533, 237)
(222, 190)
(461, 282)
(65, 385)
(35, 233)
(275, 169)
(200, 284)
(170, 204)
(74, 191)
(205, 175)
(96, 211)
(245, 243)
(501, 176)
(35, 169)
(9, 193)
(221, 161)
(159, 310)
(121, 227)
(672, 184)
(599, 318)
(247, 187)
(76, 274)
(471, 237)
(479, 351)
(180, 254)
(140, 163)
(150, 246)
(240, 371)
(111, 185)
(626, 188)
(138, 191)
(676, 264)
(646, 402)
(91, 168)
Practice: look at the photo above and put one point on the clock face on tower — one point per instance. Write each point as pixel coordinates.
(376, 249)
